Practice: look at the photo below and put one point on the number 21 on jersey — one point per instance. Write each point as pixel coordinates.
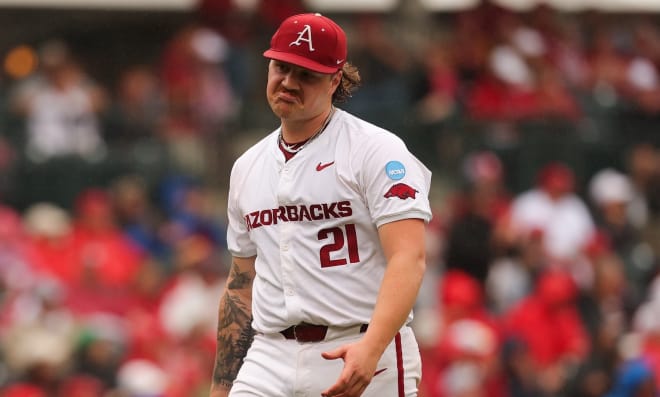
(338, 236)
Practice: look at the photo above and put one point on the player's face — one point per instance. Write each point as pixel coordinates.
(299, 94)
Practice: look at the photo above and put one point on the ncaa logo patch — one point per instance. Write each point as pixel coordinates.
(395, 170)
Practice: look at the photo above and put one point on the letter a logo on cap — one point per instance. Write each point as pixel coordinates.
(306, 36)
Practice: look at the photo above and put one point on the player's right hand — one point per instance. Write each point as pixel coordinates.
(359, 366)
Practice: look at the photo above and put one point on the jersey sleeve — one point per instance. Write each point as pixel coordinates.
(239, 243)
(396, 184)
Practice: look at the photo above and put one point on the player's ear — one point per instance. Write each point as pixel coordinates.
(336, 77)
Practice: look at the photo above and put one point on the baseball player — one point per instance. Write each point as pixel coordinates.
(326, 231)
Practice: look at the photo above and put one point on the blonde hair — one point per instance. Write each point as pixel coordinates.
(350, 81)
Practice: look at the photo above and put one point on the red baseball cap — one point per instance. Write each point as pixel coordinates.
(311, 41)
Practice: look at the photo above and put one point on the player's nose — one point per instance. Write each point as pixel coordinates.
(289, 80)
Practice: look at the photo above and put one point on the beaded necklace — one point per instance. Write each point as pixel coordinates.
(296, 147)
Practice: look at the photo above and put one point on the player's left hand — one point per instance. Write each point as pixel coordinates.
(359, 367)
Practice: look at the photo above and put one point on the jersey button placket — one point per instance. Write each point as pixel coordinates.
(287, 267)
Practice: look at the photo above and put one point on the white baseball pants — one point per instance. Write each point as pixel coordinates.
(279, 367)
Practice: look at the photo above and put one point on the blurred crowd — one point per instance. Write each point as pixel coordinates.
(543, 253)
(111, 298)
(545, 292)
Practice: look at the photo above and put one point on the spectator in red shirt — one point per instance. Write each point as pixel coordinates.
(466, 356)
(50, 242)
(549, 337)
(104, 255)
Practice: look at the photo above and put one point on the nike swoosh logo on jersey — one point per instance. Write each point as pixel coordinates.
(321, 167)
(379, 371)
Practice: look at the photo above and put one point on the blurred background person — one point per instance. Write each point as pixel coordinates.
(559, 217)
(612, 193)
(545, 338)
(475, 212)
(61, 106)
(200, 99)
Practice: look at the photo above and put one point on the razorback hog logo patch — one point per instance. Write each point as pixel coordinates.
(402, 191)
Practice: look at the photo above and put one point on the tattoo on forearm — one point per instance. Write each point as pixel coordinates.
(239, 280)
(235, 333)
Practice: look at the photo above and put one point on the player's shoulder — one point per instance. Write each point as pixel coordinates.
(364, 134)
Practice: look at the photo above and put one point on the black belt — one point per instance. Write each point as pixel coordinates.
(310, 332)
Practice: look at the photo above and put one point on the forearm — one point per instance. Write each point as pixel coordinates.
(235, 332)
(403, 246)
(396, 298)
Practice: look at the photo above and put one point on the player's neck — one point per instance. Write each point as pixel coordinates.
(294, 131)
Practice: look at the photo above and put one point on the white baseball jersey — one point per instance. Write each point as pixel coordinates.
(312, 221)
